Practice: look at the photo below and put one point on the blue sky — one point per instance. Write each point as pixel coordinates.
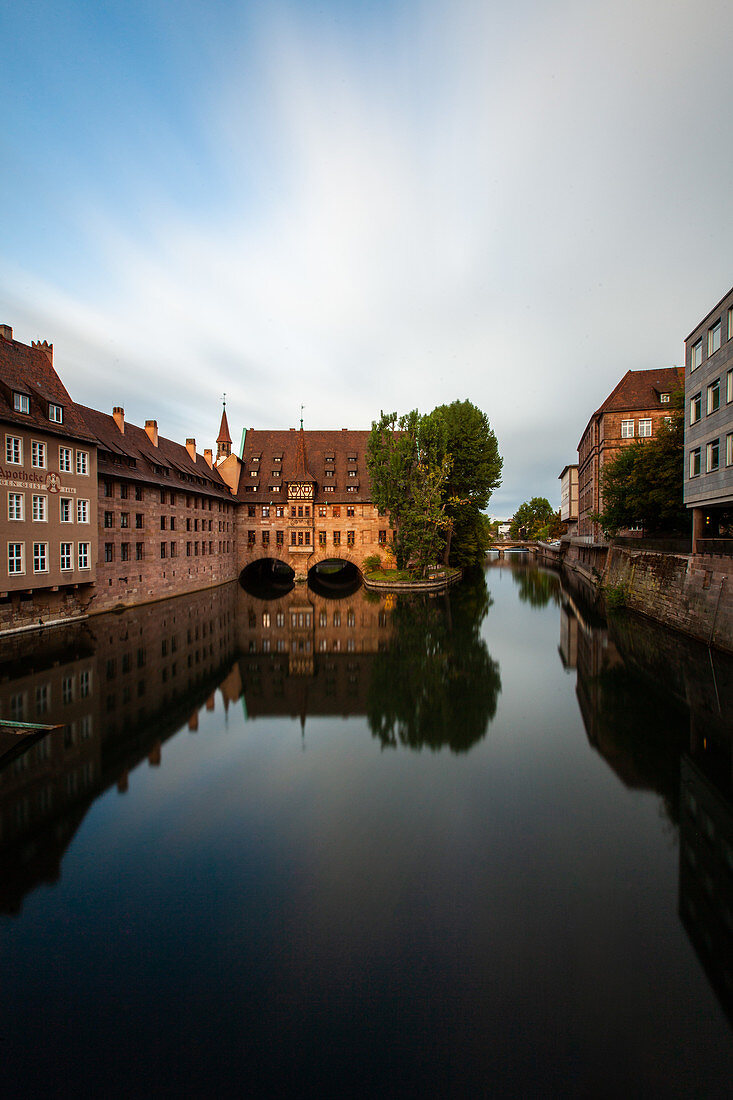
(365, 206)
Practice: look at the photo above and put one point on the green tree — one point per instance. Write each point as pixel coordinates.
(642, 486)
(530, 518)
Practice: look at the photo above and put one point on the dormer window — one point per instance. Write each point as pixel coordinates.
(21, 402)
(56, 414)
(664, 398)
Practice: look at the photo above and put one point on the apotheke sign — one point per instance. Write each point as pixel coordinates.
(21, 479)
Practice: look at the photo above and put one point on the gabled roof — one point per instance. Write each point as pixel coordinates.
(135, 444)
(29, 371)
(639, 391)
(304, 457)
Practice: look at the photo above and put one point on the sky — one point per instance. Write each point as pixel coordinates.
(365, 206)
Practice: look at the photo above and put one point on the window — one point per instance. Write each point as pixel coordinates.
(329, 473)
(65, 511)
(39, 509)
(109, 519)
(350, 511)
(66, 553)
(695, 408)
(293, 540)
(337, 538)
(188, 549)
(336, 510)
(351, 488)
(714, 338)
(13, 450)
(321, 538)
(21, 402)
(82, 511)
(265, 511)
(627, 429)
(162, 523)
(83, 555)
(56, 414)
(279, 540)
(321, 509)
(65, 460)
(16, 505)
(712, 455)
(696, 355)
(664, 398)
(15, 558)
(138, 492)
(40, 557)
(124, 552)
(265, 538)
(109, 551)
(645, 428)
(124, 519)
(714, 396)
(109, 488)
(382, 538)
(251, 510)
(280, 511)
(352, 473)
(250, 538)
(729, 386)
(350, 538)
(730, 323)
(729, 449)
(163, 547)
(82, 462)
(139, 553)
(139, 521)
(328, 488)
(38, 455)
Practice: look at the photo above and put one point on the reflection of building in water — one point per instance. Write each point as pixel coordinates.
(706, 870)
(307, 654)
(119, 687)
(568, 638)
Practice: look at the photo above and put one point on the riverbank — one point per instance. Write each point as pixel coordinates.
(401, 581)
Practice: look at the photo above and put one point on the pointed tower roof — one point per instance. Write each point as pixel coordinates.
(224, 436)
(302, 472)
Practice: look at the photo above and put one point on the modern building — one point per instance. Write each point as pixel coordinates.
(708, 477)
(634, 410)
(569, 497)
(48, 510)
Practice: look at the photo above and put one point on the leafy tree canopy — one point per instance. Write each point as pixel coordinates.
(531, 518)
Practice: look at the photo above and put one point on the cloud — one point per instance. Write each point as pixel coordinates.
(437, 201)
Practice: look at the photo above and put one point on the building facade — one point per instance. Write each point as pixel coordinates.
(635, 409)
(48, 510)
(708, 476)
(569, 497)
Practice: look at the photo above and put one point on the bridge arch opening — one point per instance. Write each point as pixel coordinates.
(334, 578)
(267, 578)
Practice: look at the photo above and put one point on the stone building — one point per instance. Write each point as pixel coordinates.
(48, 510)
(569, 497)
(708, 477)
(306, 498)
(166, 515)
(635, 410)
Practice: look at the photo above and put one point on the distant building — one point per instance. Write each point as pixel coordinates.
(708, 478)
(636, 409)
(48, 503)
(569, 497)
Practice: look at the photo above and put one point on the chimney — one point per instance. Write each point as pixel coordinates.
(292, 429)
(6, 331)
(209, 456)
(119, 417)
(191, 448)
(45, 346)
(151, 427)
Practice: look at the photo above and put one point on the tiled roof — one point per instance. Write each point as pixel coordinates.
(321, 451)
(640, 389)
(224, 436)
(134, 443)
(28, 370)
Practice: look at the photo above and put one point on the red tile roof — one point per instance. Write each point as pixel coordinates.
(134, 444)
(639, 391)
(28, 370)
(262, 447)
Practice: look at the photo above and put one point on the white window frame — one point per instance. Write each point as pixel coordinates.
(664, 398)
(14, 559)
(695, 461)
(712, 388)
(40, 557)
(65, 506)
(82, 463)
(66, 555)
(696, 407)
(13, 450)
(16, 506)
(39, 509)
(696, 355)
(38, 454)
(21, 402)
(645, 428)
(729, 449)
(82, 555)
(729, 387)
(56, 414)
(715, 335)
(712, 446)
(627, 429)
(82, 510)
(65, 456)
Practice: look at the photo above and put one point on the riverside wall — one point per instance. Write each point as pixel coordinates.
(692, 594)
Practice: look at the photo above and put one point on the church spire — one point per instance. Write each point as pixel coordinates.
(224, 440)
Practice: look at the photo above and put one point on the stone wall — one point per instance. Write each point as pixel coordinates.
(687, 593)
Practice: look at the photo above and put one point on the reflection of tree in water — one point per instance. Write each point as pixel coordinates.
(536, 586)
(437, 684)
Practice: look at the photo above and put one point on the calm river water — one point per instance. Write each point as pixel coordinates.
(479, 844)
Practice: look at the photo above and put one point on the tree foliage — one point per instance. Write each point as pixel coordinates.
(642, 486)
(434, 474)
(533, 519)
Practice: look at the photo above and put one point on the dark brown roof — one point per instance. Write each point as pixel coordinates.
(135, 445)
(224, 436)
(28, 370)
(639, 391)
(316, 447)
